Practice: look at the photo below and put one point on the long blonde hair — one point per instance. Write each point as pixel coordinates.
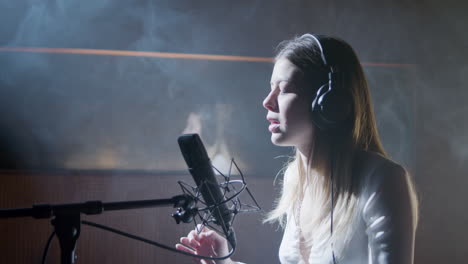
(332, 153)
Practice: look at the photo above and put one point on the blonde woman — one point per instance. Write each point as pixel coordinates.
(343, 200)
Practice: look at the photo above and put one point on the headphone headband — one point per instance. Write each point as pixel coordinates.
(322, 52)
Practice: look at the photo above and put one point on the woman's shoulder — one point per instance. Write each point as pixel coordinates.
(388, 191)
(372, 162)
(378, 171)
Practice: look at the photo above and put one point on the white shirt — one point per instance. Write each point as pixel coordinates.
(384, 232)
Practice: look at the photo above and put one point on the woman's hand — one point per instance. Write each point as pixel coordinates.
(207, 243)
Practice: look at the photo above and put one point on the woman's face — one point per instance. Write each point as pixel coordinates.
(288, 105)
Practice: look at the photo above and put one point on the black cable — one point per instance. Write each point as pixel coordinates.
(154, 243)
(46, 249)
(332, 207)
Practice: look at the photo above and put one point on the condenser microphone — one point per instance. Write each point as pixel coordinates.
(200, 168)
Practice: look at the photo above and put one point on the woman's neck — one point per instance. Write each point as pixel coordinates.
(312, 167)
(305, 155)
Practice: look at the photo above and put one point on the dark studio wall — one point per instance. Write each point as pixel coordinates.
(119, 115)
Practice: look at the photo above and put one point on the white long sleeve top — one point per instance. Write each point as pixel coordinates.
(384, 227)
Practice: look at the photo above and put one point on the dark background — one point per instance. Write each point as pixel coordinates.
(118, 114)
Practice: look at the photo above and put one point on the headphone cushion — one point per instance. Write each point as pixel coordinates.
(318, 108)
(330, 106)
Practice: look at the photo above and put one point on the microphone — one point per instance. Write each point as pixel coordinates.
(200, 168)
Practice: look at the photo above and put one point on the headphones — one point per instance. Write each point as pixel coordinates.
(330, 107)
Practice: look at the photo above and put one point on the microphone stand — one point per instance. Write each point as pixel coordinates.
(67, 220)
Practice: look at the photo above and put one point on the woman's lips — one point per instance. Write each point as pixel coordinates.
(274, 127)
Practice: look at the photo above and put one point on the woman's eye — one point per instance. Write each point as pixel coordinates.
(284, 89)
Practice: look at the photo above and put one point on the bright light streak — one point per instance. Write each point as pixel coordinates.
(170, 55)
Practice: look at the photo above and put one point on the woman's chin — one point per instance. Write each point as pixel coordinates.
(280, 140)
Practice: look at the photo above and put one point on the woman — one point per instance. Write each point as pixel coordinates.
(343, 200)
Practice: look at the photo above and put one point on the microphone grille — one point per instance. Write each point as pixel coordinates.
(192, 149)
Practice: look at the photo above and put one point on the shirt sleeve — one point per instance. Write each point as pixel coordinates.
(389, 217)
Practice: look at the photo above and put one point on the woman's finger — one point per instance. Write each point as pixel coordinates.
(193, 235)
(190, 242)
(201, 228)
(185, 248)
(207, 236)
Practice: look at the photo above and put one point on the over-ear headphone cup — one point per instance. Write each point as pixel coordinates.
(317, 108)
(316, 103)
(338, 101)
(330, 107)
(335, 110)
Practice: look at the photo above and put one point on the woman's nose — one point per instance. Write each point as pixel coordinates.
(270, 102)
